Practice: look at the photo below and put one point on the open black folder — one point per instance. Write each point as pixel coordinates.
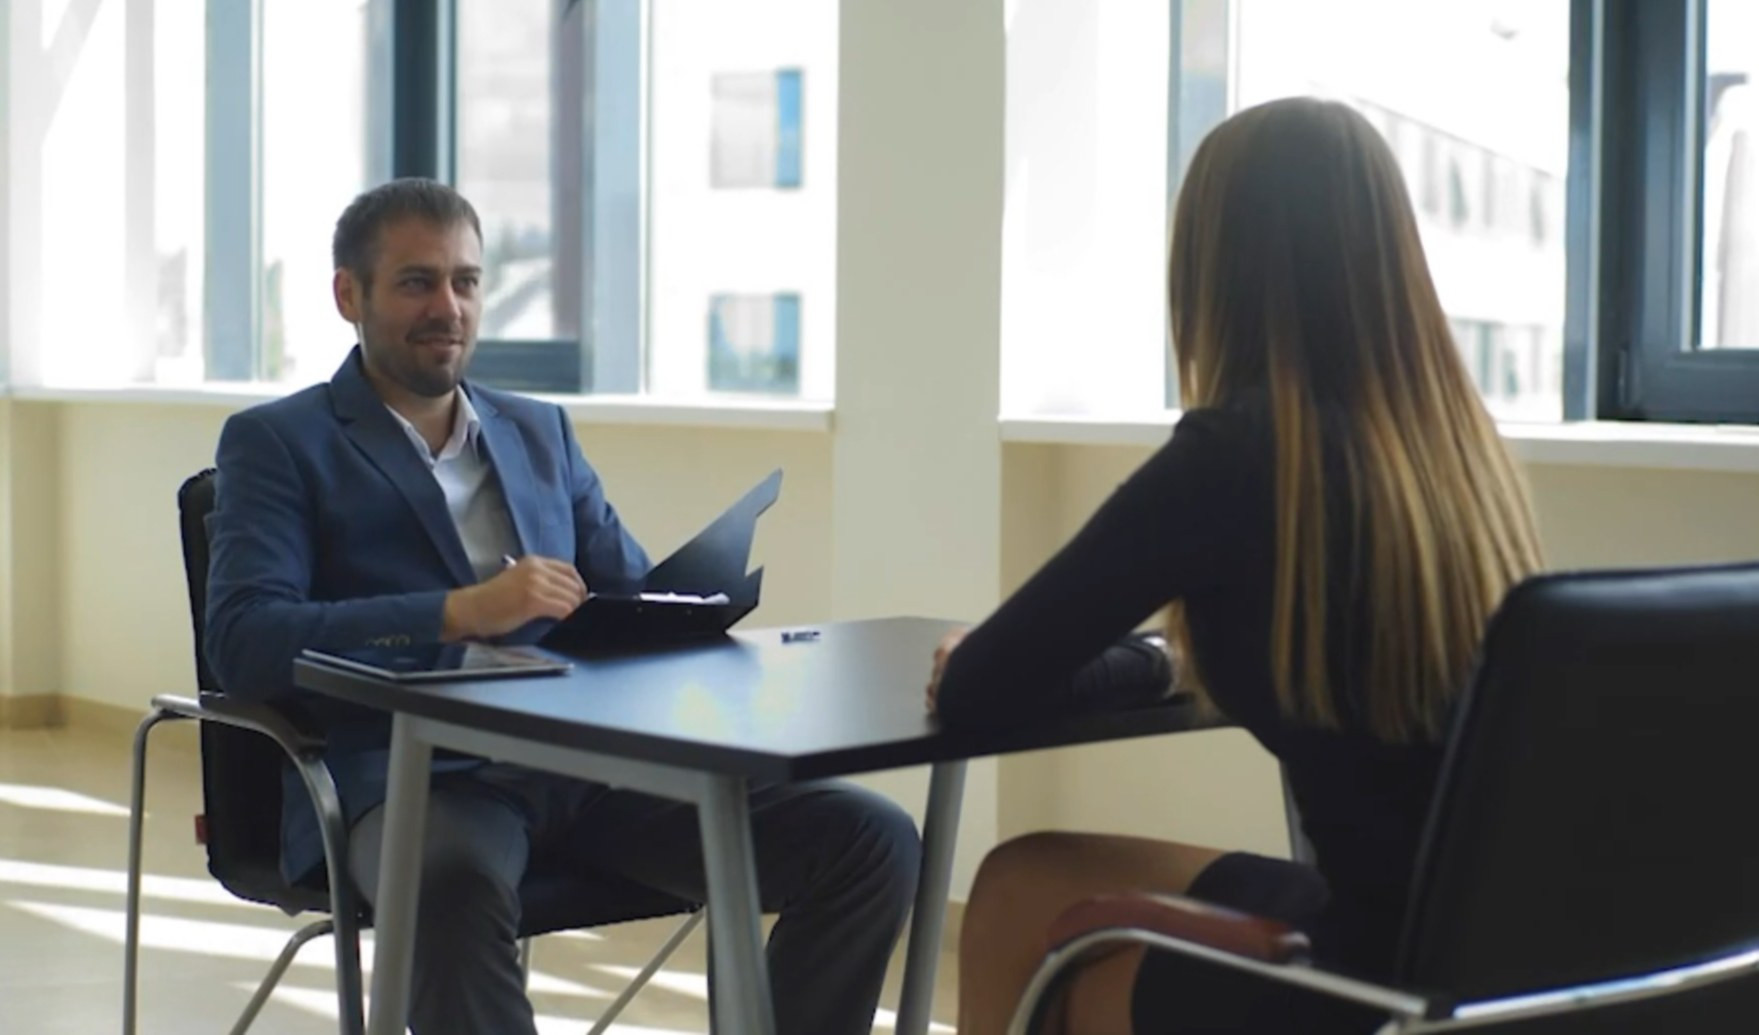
(700, 590)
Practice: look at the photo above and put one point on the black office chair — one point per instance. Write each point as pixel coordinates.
(1589, 865)
(241, 825)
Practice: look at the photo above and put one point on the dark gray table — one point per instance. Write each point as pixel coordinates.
(701, 723)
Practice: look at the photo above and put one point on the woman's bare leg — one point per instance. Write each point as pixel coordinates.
(1024, 885)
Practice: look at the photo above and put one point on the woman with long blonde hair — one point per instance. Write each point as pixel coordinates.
(1330, 528)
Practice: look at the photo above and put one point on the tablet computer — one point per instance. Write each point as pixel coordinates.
(439, 663)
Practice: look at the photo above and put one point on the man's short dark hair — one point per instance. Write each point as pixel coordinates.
(355, 246)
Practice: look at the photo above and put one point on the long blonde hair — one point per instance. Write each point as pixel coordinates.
(1297, 275)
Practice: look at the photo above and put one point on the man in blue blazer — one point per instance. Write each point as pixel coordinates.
(383, 508)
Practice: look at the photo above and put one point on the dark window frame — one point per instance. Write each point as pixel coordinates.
(598, 194)
(1637, 95)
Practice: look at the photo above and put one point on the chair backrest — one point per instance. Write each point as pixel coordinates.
(241, 791)
(1592, 819)
(195, 501)
(241, 771)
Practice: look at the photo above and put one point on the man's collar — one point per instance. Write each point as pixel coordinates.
(466, 428)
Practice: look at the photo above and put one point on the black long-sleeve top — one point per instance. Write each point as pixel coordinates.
(1196, 524)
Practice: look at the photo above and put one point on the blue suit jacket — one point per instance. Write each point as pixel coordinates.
(329, 531)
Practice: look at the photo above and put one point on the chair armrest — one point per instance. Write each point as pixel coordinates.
(305, 750)
(265, 719)
(1264, 948)
(1238, 934)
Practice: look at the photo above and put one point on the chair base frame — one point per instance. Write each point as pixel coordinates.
(1409, 1013)
(342, 923)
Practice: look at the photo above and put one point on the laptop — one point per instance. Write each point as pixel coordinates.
(699, 591)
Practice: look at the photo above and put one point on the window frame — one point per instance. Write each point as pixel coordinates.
(413, 111)
(607, 356)
(1635, 225)
(232, 275)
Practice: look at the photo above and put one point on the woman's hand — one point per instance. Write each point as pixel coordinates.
(941, 654)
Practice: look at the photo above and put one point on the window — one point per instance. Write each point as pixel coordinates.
(526, 78)
(658, 192)
(179, 214)
(88, 245)
(1089, 149)
(1484, 88)
(314, 162)
(754, 343)
(1672, 295)
(1471, 95)
(1729, 313)
(742, 198)
(656, 181)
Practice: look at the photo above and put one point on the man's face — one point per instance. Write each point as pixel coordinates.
(418, 320)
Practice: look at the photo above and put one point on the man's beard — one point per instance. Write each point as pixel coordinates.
(405, 364)
(426, 379)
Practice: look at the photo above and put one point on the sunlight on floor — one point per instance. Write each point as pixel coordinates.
(63, 856)
(197, 937)
(83, 878)
(54, 798)
(676, 981)
(243, 942)
(323, 1004)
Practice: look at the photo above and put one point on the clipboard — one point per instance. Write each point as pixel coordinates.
(698, 592)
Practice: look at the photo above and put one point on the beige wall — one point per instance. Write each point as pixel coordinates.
(124, 630)
(1613, 517)
(30, 540)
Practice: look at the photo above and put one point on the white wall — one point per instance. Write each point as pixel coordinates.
(917, 477)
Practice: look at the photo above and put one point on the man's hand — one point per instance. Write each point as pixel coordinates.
(530, 588)
(941, 654)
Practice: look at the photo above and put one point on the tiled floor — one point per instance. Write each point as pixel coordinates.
(63, 829)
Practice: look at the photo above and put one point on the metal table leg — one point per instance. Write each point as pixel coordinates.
(399, 883)
(940, 834)
(742, 985)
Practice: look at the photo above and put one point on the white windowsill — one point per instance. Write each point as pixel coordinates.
(719, 412)
(231, 396)
(1686, 447)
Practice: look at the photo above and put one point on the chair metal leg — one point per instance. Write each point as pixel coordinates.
(633, 989)
(136, 827)
(300, 939)
(350, 989)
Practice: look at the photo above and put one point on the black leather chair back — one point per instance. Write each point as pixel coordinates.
(1594, 818)
(241, 791)
(241, 771)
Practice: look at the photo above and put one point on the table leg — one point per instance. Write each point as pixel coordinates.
(940, 834)
(399, 884)
(742, 984)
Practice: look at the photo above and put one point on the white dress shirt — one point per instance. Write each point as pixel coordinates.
(473, 493)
